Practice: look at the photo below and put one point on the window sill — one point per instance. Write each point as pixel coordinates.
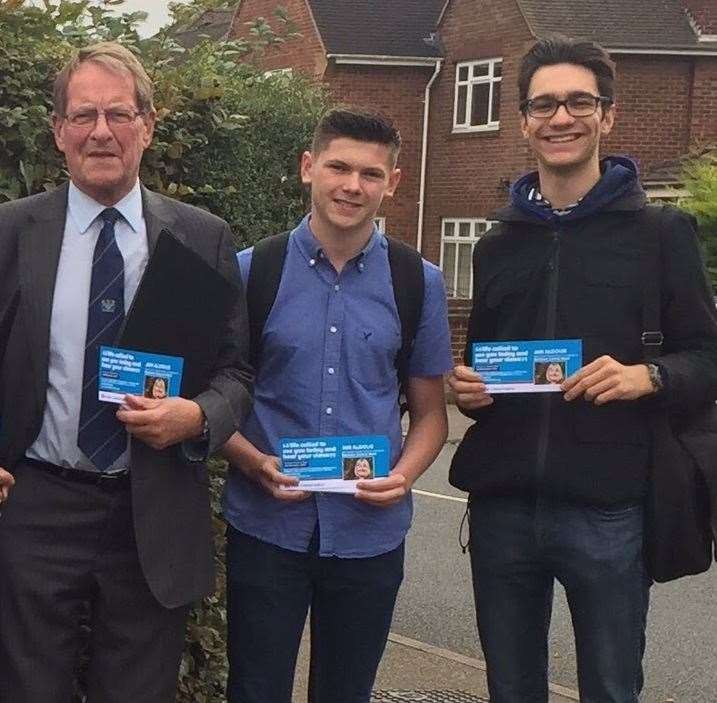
(478, 130)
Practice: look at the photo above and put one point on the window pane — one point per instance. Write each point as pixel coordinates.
(464, 229)
(464, 271)
(479, 109)
(449, 229)
(495, 107)
(461, 108)
(449, 267)
(480, 69)
(463, 73)
(498, 69)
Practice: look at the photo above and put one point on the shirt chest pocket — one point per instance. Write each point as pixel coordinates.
(370, 352)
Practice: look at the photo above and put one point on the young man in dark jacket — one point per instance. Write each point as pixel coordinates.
(557, 480)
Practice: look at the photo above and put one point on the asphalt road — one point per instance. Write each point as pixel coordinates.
(436, 606)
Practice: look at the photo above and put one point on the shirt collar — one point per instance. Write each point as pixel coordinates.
(84, 210)
(311, 248)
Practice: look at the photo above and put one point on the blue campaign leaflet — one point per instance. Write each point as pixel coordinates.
(334, 464)
(127, 372)
(536, 366)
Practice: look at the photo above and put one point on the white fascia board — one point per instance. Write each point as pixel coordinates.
(377, 60)
(661, 52)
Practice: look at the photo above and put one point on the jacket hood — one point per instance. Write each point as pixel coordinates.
(618, 189)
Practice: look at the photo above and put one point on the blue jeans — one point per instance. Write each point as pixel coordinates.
(269, 591)
(518, 547)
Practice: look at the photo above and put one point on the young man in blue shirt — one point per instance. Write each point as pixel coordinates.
(328, 368)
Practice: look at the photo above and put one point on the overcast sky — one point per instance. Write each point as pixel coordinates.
(158, 14)
(156, 9)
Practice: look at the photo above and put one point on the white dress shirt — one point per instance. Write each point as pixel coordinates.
(57, 441)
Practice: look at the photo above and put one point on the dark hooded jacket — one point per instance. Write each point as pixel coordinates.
(580, 276)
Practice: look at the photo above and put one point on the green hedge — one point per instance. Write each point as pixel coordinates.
(228, 139)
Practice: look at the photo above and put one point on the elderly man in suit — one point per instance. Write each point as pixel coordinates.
(109, 506)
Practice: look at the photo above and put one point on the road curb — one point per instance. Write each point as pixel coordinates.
(471, 662)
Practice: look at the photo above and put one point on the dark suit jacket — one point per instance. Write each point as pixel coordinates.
(170, 495)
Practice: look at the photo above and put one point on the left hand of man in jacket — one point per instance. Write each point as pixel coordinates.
(605, 380)
(161, 422)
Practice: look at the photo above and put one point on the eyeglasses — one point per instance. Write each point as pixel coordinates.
(117, 116)
(576, 104)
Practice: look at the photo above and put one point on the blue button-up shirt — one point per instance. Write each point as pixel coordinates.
(328, 368)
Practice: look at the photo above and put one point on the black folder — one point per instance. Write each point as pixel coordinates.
(180, 308)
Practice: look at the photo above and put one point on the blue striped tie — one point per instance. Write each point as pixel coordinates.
(101, 436)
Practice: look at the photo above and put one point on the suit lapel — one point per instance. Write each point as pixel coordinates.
(39, 253)
(157, 216)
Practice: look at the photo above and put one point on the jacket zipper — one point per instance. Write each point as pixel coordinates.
(553, 271)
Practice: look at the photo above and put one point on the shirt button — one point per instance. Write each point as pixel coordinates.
(331, 370)
(337, 287)
(312, 262)
(329, 411)
(333, 329)
(361, 266)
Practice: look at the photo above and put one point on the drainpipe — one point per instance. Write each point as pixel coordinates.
(424, 155)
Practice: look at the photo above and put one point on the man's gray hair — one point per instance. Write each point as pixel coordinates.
(114, 57)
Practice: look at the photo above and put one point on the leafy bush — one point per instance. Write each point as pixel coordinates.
(701, 201)
(227, 139)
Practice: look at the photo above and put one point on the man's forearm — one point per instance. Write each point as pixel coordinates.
(425, 439)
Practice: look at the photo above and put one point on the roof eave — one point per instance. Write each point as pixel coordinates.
(383, 60)
(663, 51)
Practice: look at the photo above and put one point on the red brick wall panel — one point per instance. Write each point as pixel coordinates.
(398, 92)
(467, 172)
(653, 108)
(704, 101)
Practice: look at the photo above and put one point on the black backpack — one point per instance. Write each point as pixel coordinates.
(267, 265)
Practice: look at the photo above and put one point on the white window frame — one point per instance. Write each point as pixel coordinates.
(664, 192)
(461, 123)
(380, 222)
(478, 227)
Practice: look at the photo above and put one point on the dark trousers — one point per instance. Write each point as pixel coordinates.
(269, 591)
(518, 548)
(64, 544)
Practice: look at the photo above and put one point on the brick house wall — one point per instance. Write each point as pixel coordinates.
(468, 172)
(703, 127)
(397, 91)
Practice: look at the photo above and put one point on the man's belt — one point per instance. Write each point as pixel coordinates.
(107, 479)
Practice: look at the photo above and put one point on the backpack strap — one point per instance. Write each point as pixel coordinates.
(407, 276)
(267, 265)
(652, 337)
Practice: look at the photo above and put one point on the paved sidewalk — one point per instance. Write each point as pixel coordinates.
(421, 672)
